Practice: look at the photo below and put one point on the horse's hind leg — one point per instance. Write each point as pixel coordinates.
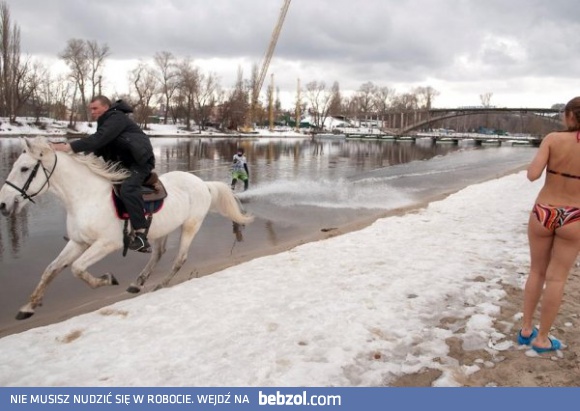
(187, 234)
(68, 254)
(159, 248)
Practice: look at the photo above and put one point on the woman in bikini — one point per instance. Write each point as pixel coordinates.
(553, 229)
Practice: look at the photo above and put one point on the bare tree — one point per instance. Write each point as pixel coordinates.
(144, 83)
(485, 99)
(50, 94)
(73, 106)
(167, 77)
(205, 98)
(257, 113)
(188, 87)
(76, 57)
(406, 102)
(27, 80)
(350, 106)
(10, 67)
(365, 100)
(270, 99)
(319, 98)
(383, 100)
(335, 107)
(425, 96)
(86, 60)
(233, 111)
(96, 55)
(37, 100)
(62, 89)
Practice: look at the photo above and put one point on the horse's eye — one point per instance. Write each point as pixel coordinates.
(24, 169)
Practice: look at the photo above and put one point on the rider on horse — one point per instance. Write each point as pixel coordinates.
(119, 139)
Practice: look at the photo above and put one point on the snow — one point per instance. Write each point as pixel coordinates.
(28, 126)
(358, 309)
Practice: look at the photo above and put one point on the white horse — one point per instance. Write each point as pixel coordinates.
(84, 185)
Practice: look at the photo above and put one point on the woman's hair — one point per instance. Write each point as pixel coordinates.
(573, 107)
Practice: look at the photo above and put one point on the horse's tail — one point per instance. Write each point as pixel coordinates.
(226, 203)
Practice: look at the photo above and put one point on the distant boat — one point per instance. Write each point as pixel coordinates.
(492, 142)
(330, 136)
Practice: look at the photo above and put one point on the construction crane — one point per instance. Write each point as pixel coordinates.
(265, 64)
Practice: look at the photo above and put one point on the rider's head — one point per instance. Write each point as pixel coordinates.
(98, 106)
(240, 151)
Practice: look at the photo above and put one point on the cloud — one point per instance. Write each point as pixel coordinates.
(390, 42)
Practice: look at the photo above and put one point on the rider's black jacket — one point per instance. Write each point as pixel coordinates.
(118, 138)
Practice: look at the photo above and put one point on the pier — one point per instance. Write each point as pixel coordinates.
(454, 138)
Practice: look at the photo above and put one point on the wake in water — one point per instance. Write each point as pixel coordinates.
(372, 193)
(391, 187)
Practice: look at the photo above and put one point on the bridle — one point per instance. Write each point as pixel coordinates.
(47, 174)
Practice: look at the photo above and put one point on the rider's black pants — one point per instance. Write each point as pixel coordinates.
(131, 194)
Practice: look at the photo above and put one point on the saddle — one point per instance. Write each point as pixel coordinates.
(153, 189)
(153, 192)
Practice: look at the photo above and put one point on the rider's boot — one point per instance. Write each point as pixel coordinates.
(140, 243)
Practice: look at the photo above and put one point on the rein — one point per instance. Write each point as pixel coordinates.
(23, 190)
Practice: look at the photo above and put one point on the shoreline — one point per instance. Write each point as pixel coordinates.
(298, 238)
(512, 366)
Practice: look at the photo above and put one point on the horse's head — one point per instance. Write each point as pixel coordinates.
(29, 176)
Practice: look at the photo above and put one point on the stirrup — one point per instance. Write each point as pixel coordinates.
(140, 243)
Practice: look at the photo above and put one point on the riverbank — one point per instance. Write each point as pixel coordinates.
(28, 127)
(299, 188)
(314, 315)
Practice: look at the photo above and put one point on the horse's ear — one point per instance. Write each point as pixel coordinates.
(43, 146)
(36, 147)
(25, 143)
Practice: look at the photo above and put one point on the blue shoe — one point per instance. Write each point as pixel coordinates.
(527, 340)
(555, 345)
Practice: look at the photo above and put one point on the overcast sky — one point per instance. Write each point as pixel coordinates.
(525, 52)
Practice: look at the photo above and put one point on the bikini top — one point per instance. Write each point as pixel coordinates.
(566, 174)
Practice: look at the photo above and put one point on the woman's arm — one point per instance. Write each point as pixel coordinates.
(538, 164)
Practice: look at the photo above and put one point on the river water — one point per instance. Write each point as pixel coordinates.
(298, 188)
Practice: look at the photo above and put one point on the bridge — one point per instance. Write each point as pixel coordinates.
(403, 122)
(445, 137)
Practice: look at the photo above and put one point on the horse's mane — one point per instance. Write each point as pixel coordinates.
(110, 171)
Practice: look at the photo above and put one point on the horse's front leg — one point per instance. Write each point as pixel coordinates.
(96, 252)
(159, 248)
(68, 254)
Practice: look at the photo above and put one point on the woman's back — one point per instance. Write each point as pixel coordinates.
(559, 156)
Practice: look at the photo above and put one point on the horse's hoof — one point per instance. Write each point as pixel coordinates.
(111, 278)
(133, 289)
(23, 315)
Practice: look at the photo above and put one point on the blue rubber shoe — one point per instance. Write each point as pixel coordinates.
(527, 340)
(555, 345)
